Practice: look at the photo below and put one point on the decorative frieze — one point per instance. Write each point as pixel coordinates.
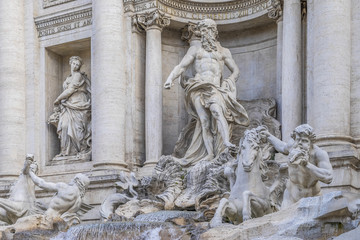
(50, 3)
(150, 19)
(64, 22)
(185, 10)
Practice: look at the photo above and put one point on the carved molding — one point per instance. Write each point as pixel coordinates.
(150, 19)
(64, 22)
(184, 11)
(50, 3)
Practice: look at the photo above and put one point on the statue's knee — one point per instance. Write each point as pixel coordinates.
(205, 123)
(215, 110)
(246, 194)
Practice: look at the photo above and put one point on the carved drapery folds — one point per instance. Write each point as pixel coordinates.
(276, 10)
(151, 19)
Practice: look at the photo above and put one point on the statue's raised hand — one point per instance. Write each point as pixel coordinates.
(168, 84)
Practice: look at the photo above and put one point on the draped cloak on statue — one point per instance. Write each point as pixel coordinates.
(225, 97)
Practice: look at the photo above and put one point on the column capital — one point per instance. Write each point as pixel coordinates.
(190, 32)
(151, 20)
(276, 10)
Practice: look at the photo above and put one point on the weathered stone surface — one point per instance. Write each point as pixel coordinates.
(298, 221)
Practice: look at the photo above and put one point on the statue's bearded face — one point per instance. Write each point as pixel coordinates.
(302, 142)
(208, 38)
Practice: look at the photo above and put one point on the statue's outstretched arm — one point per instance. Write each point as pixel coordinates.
(323, 171)
(42, 183)
(181, 68)
(279, 145)
(230, 63)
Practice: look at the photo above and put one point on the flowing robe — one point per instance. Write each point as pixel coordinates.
(75, 118)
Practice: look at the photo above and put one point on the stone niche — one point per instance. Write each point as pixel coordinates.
(254, 51)
(56, 70)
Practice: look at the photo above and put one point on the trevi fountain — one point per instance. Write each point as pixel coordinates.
(175, 119)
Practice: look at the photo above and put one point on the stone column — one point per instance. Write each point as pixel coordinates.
(153, 23)
(355, 71)
(276, 13)
(330, 97)
(12, 88)
(108, 85)
(291, 68)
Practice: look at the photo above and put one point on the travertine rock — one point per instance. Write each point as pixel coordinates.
(312, 218)
(113, 201)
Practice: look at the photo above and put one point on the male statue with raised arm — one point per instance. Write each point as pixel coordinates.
(68, 198)
(209, 98)
(307, 164)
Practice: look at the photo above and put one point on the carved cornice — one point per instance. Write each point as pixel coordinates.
(64, 22)
(185, 11)
(276, 10)
(150, 19)
(210, 7)
(50, 3)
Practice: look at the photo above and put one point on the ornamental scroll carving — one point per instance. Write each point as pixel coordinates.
(276, 10)
(150, 19)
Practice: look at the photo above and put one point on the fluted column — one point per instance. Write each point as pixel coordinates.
(108, 85)
(12, 88)
(330, 97)
(153, 23)
(291, 68)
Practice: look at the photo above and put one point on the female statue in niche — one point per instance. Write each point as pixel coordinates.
(72, 115)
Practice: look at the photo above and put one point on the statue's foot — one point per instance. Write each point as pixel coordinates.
(209, 157)
(229, 144)
(246, 217)
(215, 222)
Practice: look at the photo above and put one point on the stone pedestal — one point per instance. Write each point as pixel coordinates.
(108, 84)
(12, 88)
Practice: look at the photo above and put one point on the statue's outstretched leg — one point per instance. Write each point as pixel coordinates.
(222, 124)
(225, 207)
(207, 136)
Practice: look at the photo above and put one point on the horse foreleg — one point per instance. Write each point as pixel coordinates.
(220, 211)
(246, 211)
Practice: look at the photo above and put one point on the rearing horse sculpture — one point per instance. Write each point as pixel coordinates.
(21, 201)
(249, 196)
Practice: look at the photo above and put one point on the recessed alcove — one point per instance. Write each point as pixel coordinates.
(57, 69)
(254, 49)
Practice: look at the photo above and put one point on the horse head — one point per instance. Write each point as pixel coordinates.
(251, 146)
